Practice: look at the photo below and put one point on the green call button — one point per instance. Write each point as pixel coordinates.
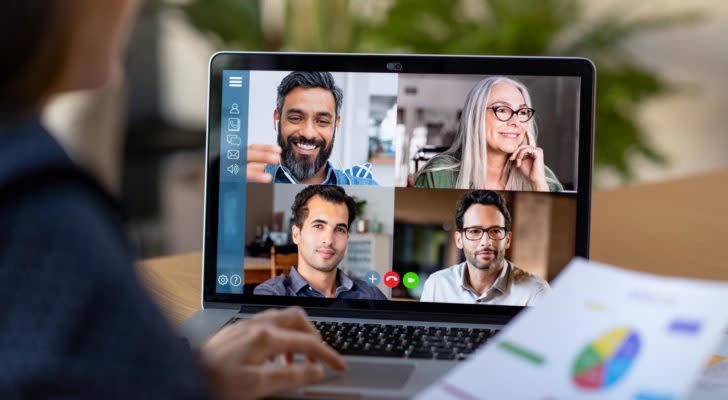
(410, 280)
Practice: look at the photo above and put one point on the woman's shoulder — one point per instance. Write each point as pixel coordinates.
(70, 215)
(442, 160)
(63, 249)
(553, 181)
(440, 172)
(46, 194)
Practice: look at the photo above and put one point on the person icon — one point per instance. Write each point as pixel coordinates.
(234, 109)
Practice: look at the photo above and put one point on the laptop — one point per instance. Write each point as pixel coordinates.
(379, 218)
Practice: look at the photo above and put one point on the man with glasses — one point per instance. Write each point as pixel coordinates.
(483, 232)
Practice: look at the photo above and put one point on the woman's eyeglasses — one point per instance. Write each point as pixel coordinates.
(505, 113)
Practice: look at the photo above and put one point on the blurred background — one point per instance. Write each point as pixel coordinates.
(661, 84)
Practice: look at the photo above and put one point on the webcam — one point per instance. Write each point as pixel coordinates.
(394, 66)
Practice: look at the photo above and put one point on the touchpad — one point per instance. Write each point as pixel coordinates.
(363, 374)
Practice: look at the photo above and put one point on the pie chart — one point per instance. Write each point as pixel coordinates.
(606, 360)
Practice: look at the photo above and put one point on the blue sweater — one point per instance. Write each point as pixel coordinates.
(74, 320)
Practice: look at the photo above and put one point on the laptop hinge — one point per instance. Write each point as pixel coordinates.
(389, 315)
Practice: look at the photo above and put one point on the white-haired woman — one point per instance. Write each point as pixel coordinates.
(495, 147)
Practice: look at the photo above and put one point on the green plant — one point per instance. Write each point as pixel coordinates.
(321, 25)
(496, 27)
(360, 207)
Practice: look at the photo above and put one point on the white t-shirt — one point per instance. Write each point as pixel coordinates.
(513, 287)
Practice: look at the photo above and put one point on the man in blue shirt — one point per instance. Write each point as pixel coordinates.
(322, 216)
(306, 117)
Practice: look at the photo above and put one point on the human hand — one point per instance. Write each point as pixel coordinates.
(234, 358)
(530, 161)
(258, 156)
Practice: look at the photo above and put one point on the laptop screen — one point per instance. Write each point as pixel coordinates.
(397, 187)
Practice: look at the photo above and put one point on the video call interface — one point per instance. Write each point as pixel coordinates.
(399, 187)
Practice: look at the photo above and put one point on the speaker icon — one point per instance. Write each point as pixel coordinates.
(233, 169)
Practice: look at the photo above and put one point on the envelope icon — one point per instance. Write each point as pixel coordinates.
(233, 154)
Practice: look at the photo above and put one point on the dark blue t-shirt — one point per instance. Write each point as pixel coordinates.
(75, 321)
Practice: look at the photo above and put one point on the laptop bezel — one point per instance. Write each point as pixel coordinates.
(383, 63)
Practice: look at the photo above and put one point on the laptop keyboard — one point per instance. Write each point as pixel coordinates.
(402, 341)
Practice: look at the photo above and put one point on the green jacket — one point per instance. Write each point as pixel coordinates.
(446, 178)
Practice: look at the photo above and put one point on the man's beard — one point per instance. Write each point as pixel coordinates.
(333, 265)
(304, 166)
(324, 268)
(496, 262)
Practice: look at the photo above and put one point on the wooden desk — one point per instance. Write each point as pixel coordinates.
(175, 281)
(675, 228)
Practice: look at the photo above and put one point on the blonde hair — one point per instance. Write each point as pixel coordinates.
(468, 153)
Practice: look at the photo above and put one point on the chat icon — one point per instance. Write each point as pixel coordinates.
(234, 140)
